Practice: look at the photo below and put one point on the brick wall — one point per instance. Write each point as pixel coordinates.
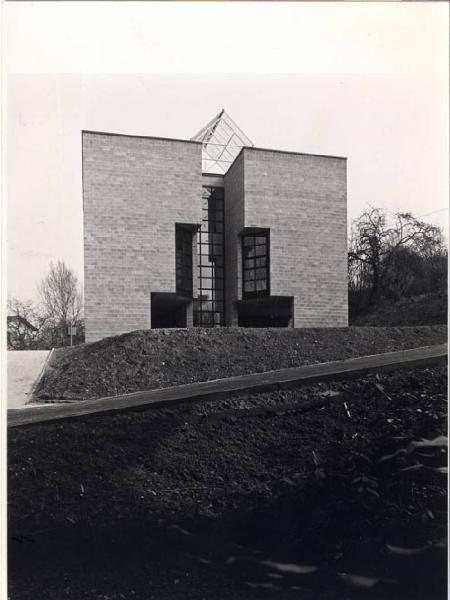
(234, 223)
(134, 191)
(302, 200)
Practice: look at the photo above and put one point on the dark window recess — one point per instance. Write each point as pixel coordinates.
(183, 243)
(209, 305)
(168, 309)
(256, 264)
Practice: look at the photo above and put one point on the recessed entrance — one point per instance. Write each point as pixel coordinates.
(168, 310)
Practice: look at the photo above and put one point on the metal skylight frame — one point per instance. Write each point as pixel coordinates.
(222, 141)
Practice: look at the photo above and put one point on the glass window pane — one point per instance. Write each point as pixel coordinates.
(255, 273)
(206, 270)
(210, 261)
(261, 285)
(183, 261)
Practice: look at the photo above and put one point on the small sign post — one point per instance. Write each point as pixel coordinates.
(71, 331)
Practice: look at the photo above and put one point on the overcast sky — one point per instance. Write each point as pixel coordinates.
(366, 81)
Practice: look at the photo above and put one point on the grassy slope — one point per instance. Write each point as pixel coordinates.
(158, 358)
(427, 309)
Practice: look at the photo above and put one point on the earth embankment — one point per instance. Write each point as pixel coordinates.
(143, 360)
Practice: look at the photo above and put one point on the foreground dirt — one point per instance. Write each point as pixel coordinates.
(157, 358)
(193, 502)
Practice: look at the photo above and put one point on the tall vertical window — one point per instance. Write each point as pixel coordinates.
(183, 246)
(209, 303)
(256, 263)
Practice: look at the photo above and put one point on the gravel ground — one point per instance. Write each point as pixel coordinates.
(187, 502)
(191, 502)
(158, 358)
(200, 459)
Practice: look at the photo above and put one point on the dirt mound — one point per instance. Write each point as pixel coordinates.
(152, 359)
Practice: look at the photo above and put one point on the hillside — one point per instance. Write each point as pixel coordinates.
(152, 359)
(427, 309)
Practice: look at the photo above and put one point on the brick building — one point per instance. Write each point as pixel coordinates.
(210, 232)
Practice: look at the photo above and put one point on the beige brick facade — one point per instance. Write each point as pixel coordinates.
(134, 191)
(302, 199)
(234, 223)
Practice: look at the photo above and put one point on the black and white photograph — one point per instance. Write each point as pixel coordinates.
(224, 300)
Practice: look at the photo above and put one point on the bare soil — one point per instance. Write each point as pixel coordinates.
(194, 501)
(158, 358)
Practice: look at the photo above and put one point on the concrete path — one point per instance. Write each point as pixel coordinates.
(23, 370)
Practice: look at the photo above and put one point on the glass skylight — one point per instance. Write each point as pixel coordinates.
(222, 141)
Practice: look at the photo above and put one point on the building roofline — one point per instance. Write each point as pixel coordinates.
(290, 152)
(145, 137)
(166, 139)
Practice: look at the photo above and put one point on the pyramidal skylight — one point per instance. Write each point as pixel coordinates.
(222, 141)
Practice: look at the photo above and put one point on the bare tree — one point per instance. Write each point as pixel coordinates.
(24, 324)
(61, 298)
(389, 258)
